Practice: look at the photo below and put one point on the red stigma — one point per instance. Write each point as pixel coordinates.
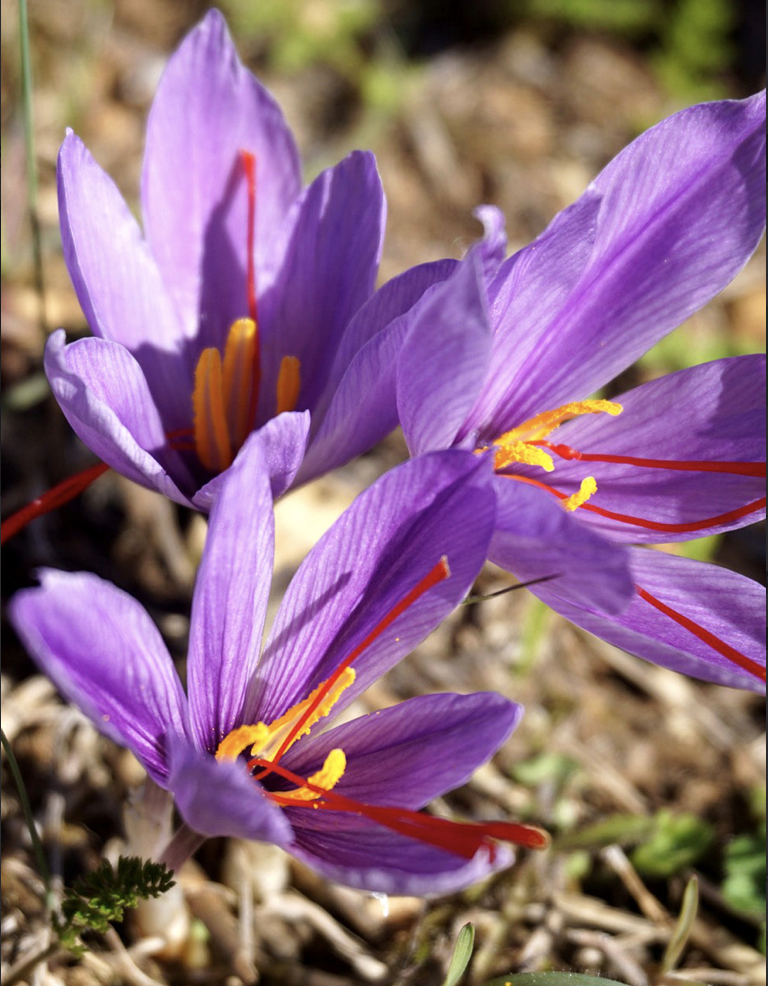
(437, 574)
(730, 468)
(249, 168)
(688, 527)
(51, 500)
(736, 657)
(461, 838)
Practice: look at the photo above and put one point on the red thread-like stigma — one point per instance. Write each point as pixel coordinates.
(50, 500)
(462, 838)
(741, 660)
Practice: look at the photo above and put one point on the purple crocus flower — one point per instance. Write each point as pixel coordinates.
(246, 304)
(345, 800)
(525, 341)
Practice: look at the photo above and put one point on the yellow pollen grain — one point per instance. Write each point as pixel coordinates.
(265, 740)
(587, 489)
(240, 369)
(288, 384)
(235, 742)
(327, 777)
(530, 455)
(210, 422)
(538, 427)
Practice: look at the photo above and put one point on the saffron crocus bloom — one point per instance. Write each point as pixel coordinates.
(524, 343)
(345, 801)
(246, 302)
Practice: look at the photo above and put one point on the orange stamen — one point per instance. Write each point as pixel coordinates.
(288, 384)
(651, 525)
(263, 738)
(731, 468)
(51, 500)
(211, 431)
(462, 838)
(587, 489)
(240, 382)
(542, 424)
(249, 167)
(438, 574)
(741, 660)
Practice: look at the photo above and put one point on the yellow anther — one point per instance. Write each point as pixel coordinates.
(530, 455)
(240, 378)
(586, 490)
(538, 427)
(265, 740)
(210, 422)
(288, 384)
(235, 742)
(327, 777)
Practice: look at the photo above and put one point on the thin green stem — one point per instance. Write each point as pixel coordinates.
(37, 845)
(29, 145)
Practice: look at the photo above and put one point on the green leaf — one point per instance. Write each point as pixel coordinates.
(619, 829)
(744, 883)
(683, 927)
(462, 953)
(545, 767)
(102, 896)
(677, 842)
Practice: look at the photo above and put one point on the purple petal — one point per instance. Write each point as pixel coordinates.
(328, 272)
(492, 249)
(720, 602)
(710, 413)
(444, 360)
(358, 407)
(527, 295)
(683, 208)
(535, 538)
(208, 108)
(103, 393)
(362, 855)
(282, 441)
(375, 554)
(104, 654)
(221, 799)
(230, 601)
(416, 751)
(117, 281)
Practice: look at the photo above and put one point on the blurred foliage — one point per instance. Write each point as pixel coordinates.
(666, 843)
(744, 865)
(690, 43)
(625, 18)
(676, 843)
(553, 768)
(552, 979)
(299, 33)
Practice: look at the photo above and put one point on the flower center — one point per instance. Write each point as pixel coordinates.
(527, 444)
(226, 390)
(269, 742)
(522, 444)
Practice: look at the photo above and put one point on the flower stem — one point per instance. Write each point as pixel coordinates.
(183, 844)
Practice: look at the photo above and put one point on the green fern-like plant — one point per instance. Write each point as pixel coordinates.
(101, 897)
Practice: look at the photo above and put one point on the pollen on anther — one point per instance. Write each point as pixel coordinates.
(586, 490)
(211, 432)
